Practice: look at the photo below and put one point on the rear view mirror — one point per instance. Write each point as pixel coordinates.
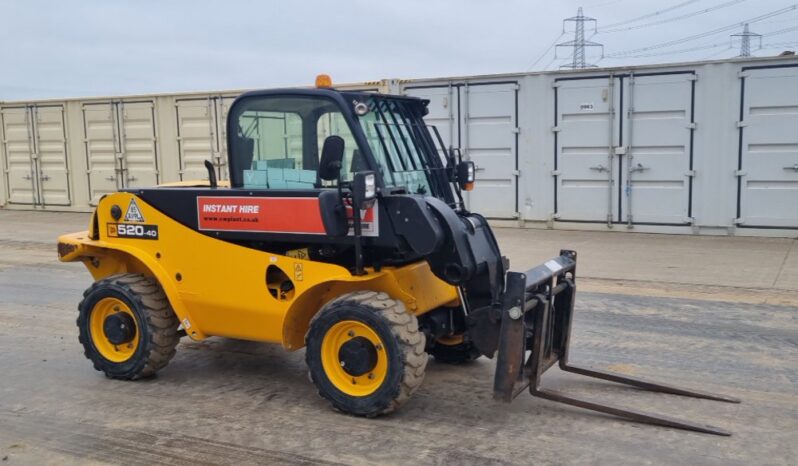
(466, 175)
(332, 153)
(333, 214)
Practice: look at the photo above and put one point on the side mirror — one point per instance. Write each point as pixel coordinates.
(333, 214)
(332, 154)
(364, 189)
(466, 173)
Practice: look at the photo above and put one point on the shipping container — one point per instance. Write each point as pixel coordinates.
(702, 147)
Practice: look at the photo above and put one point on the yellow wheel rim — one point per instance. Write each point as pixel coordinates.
(451, 341)
(353, 385)
(102, 310)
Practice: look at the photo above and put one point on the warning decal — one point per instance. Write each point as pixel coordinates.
(133, 213)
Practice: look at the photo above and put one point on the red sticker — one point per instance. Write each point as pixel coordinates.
(369, 223)
(299, 215)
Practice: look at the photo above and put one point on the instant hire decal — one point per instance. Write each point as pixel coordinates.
(298, 215)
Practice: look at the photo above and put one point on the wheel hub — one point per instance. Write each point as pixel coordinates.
(119, 328)
(358, 356)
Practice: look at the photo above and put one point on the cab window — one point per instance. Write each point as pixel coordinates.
(278, 140)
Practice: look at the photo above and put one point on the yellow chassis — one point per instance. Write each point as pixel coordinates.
(219, 288)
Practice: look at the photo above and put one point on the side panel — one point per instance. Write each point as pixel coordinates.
(202, 135)
(196, 135)
(586, 133)
(656, 168)
(50, 143)
(768, 159)
(20, 174)
(138, 144)
(3, 191)
(222, 108)
(202, 294)
(481, 120)
(100, 135)
(443, 112)
(489, 136)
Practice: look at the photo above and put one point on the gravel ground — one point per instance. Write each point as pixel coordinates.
(226, 401)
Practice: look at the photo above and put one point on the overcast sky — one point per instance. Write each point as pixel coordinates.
(105, 47)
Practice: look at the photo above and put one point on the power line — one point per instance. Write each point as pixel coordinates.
(787, 20)
(670, 20)
(778, 45)
(602, 5)
(781, 31)
(551, 46)
(579, 43)
(726, 46)
(651, 15)
(553, 59)
(675, 52)
(705, 34)
(715, 54)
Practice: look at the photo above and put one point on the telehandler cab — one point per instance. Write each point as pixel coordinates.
(342, 229)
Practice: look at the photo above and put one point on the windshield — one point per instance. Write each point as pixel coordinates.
(401, 144)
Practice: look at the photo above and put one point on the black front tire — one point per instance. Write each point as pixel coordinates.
(402, 341)
(154, 318)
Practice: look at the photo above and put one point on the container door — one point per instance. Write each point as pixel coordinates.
(443, 111)
(101, 139)
(489, 136)
(658, 131)
(36, 159)
(20, 172)
(196, 134)
(587, 139)
(138, 144)
(51, 155)
(768, 159)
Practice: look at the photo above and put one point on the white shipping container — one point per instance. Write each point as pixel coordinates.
(767, 190)
(650, 148)
(704, 147)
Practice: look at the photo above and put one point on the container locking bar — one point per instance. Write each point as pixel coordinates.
(537, 314)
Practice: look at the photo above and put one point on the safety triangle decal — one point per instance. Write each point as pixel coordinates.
(133, 213)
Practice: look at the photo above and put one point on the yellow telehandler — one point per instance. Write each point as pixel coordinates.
(342, 229)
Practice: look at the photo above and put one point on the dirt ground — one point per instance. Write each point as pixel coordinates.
(225, 401)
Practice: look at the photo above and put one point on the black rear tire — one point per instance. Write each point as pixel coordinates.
(156, 325)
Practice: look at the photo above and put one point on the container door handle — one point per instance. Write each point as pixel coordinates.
(793, 168)
(599, 168)
(638, 168)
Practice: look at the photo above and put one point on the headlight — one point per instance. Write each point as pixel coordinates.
(466, 175)
(370, 182)
(364, 189)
